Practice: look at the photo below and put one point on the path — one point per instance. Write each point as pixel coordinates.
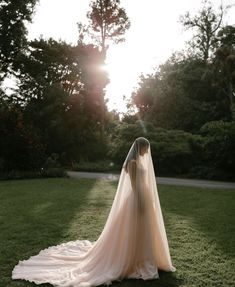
(160, 180)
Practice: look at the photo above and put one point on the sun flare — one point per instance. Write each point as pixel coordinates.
(154, 34)
(123, 70)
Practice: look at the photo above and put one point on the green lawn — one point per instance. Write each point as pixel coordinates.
(38, 213)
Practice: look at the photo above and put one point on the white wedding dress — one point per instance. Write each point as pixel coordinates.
(133, 243)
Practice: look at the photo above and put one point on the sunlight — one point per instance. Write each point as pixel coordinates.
(124, 67)
(154, 34)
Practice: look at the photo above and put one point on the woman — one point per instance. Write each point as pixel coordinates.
(133, 243)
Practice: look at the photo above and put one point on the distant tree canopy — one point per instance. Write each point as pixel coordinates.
(191, 89)
(205, 23)
(194, 92)
(58, 104)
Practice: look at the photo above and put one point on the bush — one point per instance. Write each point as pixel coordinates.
(219, 152)
(50, 168)
(123, 137)
(19, 174)
(52, 161)
(53, 172)
(21, 147)
(173, 151)
(210, 154)
(99, 166)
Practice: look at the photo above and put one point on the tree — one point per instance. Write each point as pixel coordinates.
(108, 21)
(43, 63)
(57, 90)
(214, 44)
(184, 93)
(188, 90)
(20, 147)
(143, 97)
(206, 23)
(218, 149)
(224, 65)
(13, 16)
(226, 36)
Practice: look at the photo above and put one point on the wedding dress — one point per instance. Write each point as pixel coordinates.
(133, 243)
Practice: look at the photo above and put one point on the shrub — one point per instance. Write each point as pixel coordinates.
(19, 174)
(99, 166)
(173, 151)
(219, 152)
(53, 172)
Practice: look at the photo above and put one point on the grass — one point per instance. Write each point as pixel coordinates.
(37, 213)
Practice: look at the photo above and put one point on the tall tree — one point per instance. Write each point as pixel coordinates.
(13, 17)
(108, 22)
(224, 66)
(57, 87)
(206, 23)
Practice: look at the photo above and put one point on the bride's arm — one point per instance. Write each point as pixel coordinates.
(132, 173)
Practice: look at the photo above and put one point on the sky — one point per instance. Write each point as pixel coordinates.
(155, 33)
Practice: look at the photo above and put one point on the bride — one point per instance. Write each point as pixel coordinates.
(133, 243)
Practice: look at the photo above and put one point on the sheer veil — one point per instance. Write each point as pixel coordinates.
(132, 244)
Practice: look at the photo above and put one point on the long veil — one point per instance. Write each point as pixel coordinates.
(132, 244)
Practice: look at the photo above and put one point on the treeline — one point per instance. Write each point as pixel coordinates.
(207, 154)
(57, 106)
(190, 101)
(57, 116)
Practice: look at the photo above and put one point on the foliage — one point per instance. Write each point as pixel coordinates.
(58, 108)
(14, 15)
(52, 161)
(209, 154)
(20, 145)
(191, 89)
(48, 62)
(186, 91)
(53, 172)
(30, 174)
(108, 22)
(223, 66)
(59, 96)
(206, 23)
(182, 94)
(96, 166)
(218, 152)
(123, 137)
(173, 151)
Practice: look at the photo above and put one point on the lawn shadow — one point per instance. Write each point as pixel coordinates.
(36, 214)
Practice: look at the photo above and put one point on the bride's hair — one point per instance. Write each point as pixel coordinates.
(138, 144)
